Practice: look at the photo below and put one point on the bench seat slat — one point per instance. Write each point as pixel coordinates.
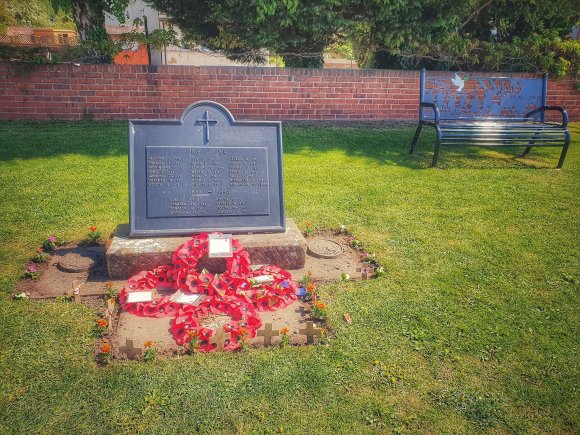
(506, 134)
(498, 144)
(501, 127)
(491, 142)
(503, 139)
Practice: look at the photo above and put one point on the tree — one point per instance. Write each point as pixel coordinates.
(504, 20)
(517, 35)
(89, 17)
(297, 30)
(391, 32)
(35, 13)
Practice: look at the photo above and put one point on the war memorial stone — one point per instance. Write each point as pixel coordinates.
(205, 172)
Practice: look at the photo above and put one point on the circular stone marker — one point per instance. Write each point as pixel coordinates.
(75, 262)
(324, 249)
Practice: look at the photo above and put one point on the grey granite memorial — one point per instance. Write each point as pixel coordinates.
(204, 172)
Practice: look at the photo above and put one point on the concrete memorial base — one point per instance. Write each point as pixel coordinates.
(128, 256)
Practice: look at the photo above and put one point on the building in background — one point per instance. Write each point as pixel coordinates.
(133, 53)
(171, 55)
(23, 36)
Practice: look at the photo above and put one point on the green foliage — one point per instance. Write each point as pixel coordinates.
(472, 35)
(297, 31)
(33, 13)
(150, 354)
(545, 52)
(40, 257)
(99, 48)
(513, 35)
(509, 19)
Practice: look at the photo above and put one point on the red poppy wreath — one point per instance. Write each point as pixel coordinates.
(234, 295)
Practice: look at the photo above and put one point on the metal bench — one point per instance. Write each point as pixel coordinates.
(489, 111)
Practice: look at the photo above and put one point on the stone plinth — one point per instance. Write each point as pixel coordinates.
(128, 256)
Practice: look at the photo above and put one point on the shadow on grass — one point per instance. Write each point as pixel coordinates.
(390, 146)
(385, 145)
(31, 140)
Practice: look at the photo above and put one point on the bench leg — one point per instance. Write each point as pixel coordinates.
(526, 151)
(437, 147)
(416, 138)
(564, 151)
(530, 143)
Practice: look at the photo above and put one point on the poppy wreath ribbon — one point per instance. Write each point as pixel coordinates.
(236, 293)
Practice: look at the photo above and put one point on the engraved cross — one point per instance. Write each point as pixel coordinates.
(206, 124)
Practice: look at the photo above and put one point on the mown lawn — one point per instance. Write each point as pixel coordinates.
(475, 326)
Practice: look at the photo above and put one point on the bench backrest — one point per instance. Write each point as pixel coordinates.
(459, 95)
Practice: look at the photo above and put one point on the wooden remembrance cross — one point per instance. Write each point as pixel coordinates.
(219, 338)
(130, 351)
(310, 331)
(267, 333)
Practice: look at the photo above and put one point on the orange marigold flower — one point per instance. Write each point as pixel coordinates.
(192, 334)
(320, 305)
(101, 323)
(92, 228)
(148, 344)
(243, 332)
(284, 331)
(109, 284)
(106, 348)
(310, 287)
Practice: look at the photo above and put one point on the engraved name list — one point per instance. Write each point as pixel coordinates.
(207, 181)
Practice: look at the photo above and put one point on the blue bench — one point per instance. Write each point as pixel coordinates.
(489, 111)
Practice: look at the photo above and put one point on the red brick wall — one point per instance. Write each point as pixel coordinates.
(65, 91)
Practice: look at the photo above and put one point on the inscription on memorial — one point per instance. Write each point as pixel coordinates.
(207, 181)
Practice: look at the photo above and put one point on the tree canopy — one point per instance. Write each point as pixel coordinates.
(516, 35)
(37, 13)
(476, 34)
(297, 30)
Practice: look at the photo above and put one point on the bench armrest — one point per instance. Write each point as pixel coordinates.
(545, 108)
(432, 106)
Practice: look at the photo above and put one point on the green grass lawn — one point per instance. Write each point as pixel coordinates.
(475, 326)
